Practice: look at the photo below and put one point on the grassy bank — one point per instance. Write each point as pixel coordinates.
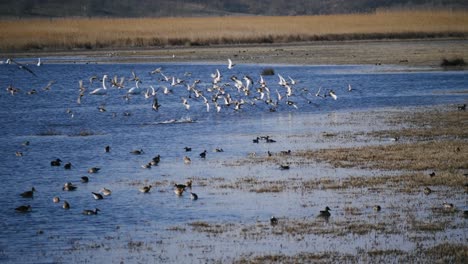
(95, 33)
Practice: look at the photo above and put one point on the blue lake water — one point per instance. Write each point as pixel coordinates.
(57, 127)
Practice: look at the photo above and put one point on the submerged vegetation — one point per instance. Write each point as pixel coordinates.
(98, 33)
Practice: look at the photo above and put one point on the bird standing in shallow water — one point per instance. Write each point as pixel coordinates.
(325, 213)
(203, 154)
(145, 189)
(273, 221)
(427, 190)
(179, 191)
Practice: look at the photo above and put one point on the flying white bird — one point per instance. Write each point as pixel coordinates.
(230, 64)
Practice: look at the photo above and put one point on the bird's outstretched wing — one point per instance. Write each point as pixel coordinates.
(22, 66)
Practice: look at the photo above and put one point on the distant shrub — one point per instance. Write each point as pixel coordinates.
(455, 62)
(268, 71)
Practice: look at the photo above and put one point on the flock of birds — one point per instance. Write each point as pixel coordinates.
(222, 91)
(179, 189)
(218, 94)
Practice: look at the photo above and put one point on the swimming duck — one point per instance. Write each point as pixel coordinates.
(187, 160)
(56, 199)
(66, 205)
(55, 162)
(69, 187)
(325, 213)
(91, 212)
(145, 189)
(23, 208)
(146, 166)
(28, 194)
(284, 167)
(67, 166)
(106, 192)
(97, 196)
(84, 179)
(19, 154)
(93, 170)
(377, 208)
(137, 152)
(187, 149)
(107, 149)
(193, 196)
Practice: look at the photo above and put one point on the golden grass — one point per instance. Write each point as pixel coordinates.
(88, 33)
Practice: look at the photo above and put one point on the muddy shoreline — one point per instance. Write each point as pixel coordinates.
(420, 52)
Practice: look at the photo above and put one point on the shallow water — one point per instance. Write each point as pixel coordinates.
(51, 234)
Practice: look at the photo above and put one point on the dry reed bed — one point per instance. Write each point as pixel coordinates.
(90, 33)
(443, 253)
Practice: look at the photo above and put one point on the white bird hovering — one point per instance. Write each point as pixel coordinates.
(216, 77)
(318, 92)
(205, 101)
(282, 81)
(157, 70)
(103, 89)
(185, 103)
(230, 64)
(293, 82)
(166, 90)
(165, 78)
(48, 86)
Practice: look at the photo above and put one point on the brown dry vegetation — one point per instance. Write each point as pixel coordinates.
(91, 33)
(434, 141)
